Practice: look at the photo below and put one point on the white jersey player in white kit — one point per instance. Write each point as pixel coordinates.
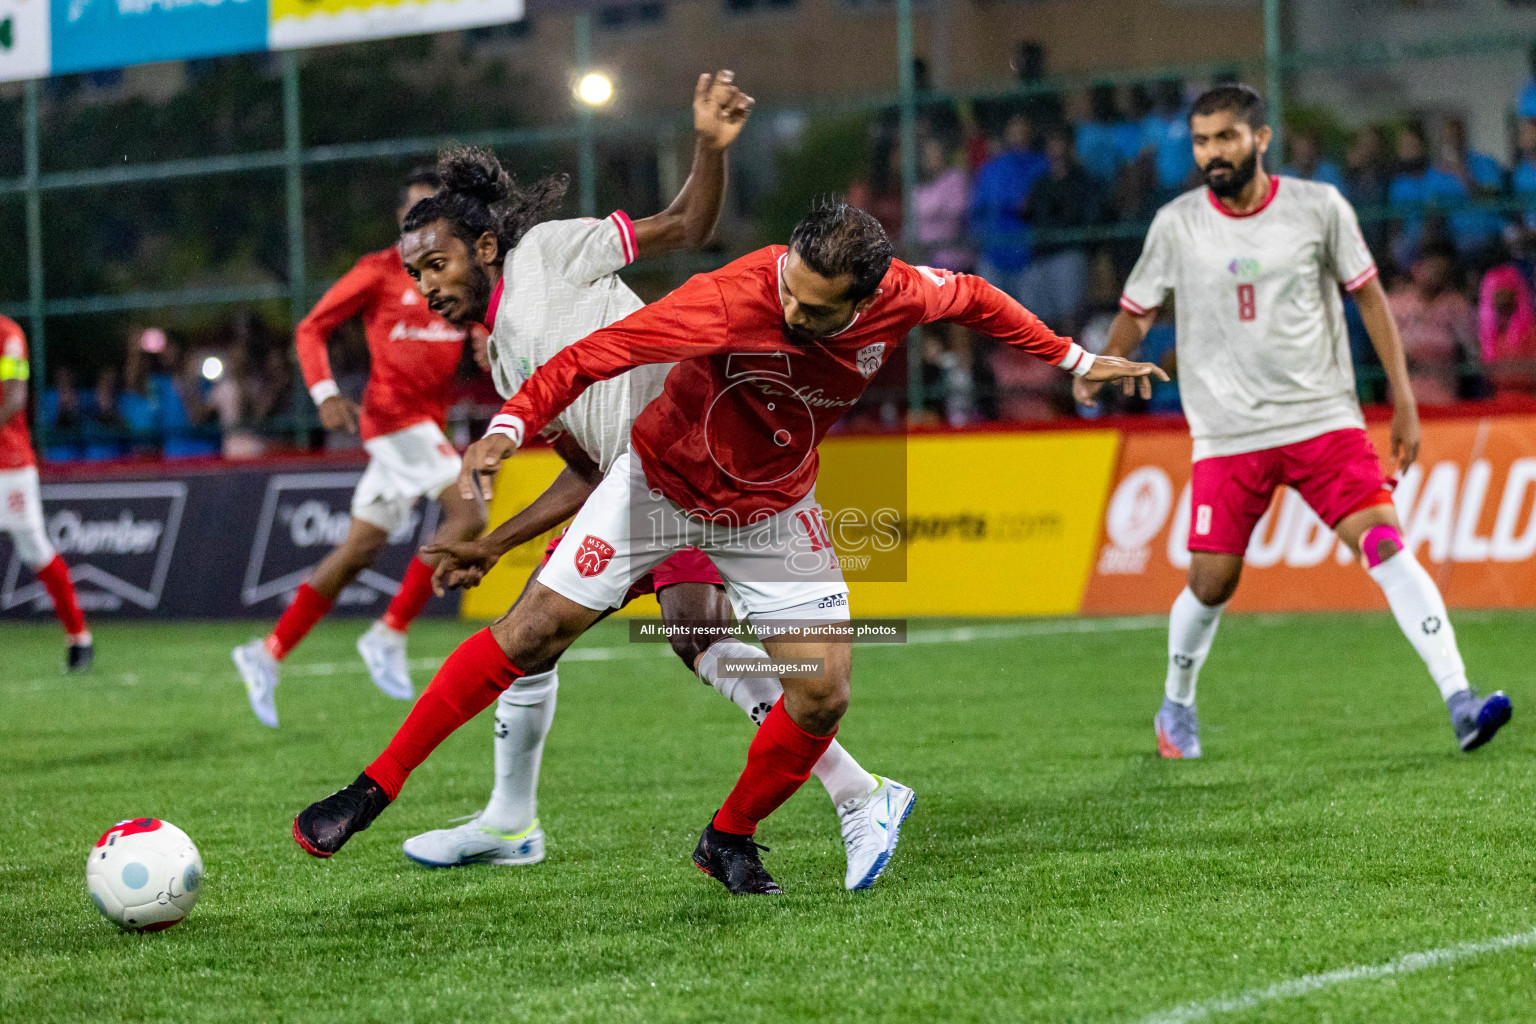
(1257, 262)
(557, 284)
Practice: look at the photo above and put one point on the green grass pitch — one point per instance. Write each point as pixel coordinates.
(1053, 869)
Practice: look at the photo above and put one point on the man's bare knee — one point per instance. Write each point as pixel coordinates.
(818, 704)
(540, 627)
(1214, 579)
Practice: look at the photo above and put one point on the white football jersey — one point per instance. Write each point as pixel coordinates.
(1262, 347)
(559, 285)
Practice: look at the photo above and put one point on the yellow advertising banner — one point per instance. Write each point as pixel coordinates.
(973, 524)
(298, 23)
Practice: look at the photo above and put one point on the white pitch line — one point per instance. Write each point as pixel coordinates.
(624, 652)
(1295, 988)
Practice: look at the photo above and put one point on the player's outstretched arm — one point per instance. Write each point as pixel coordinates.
(1133, 377)
(342, 301)
(719, 111)
(1125, 337)
(1382, 327)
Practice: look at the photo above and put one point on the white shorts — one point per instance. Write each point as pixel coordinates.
(625, 529)
(21, 515)
(417, 462)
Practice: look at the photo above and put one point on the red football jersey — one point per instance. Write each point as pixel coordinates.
(735, 430)
(15, 438)
(414, 352)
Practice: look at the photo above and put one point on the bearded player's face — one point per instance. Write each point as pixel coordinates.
(448, 274)
(1227, 151)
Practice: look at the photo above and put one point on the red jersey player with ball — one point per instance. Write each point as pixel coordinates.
(1257, 262)
(415, 354)
(21, 505)
(772, 350)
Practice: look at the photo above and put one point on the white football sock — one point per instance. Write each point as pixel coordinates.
(1191, 630)
(844, 778)
(524, 714)
(1420, 612)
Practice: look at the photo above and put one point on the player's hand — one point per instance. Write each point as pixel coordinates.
(1134, 378)
(481, 462)
(1086, 392)
(479, 342)
(1406, 435)
(463, 565)
(339, 413)
(719, 109)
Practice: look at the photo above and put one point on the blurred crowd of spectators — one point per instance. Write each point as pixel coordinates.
(1046, 201)
(1045, 196)
(166, 399)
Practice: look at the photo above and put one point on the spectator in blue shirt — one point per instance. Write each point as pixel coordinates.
(1475, 231)
(1369, 175)
(1165, 131)
(1418, 182)
(1523, 178)
(64, 411)
(181, 397)
(1102, 140)
(1307, 159)
(1526, 107)
(998, 195)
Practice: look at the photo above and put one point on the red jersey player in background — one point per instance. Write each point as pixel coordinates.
(21, 507)
(415, 354)
(772, 350)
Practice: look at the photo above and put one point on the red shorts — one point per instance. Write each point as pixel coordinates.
(1336, 473)
(690, 565)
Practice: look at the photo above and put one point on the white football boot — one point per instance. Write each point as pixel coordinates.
(472, 843)
(259, 670)
(871, 828)
(383, 651)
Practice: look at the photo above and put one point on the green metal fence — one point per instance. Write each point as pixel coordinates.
(584, 133)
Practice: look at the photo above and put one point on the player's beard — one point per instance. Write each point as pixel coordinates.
(1240, 175)
(477, 295)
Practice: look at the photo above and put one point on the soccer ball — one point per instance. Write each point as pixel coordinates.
(144, 874)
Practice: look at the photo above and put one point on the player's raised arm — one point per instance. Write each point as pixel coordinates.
(342, 301)
(689, 322)
(719, 112)
(973, 303)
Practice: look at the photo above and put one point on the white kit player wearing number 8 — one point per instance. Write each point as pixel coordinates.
(559, 283)
(1257, 262)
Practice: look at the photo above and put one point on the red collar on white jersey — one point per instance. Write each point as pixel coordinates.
(1274, 186)
(495, 304)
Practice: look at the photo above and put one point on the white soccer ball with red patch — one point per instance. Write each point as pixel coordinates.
(144, 874)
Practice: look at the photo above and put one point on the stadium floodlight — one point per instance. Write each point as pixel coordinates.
(213, 368)
(594, 89)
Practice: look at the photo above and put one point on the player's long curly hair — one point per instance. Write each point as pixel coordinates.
(478, 195)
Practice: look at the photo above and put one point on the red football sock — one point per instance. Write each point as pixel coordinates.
(412, 596)
(309, 607)
(778, 763)
(469, 681)
(55, 576)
